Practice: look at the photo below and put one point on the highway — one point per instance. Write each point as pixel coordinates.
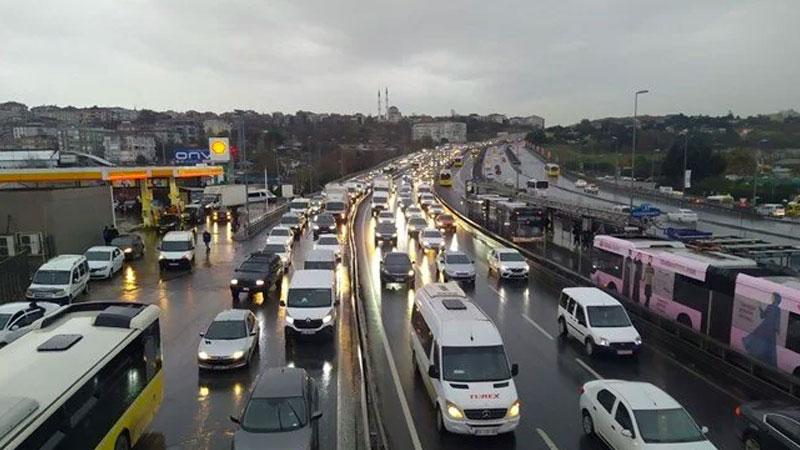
(196, 407)
(563, 188)
(551, 370)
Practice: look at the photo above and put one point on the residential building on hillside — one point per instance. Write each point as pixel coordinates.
(130, 148)
(83, 139)
(452, 131)
(216, 126)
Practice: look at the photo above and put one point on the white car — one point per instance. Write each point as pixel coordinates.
(434, 210)
(386, 217)
(329, 242)
(230, 341)
(431, 239)
(591, 189)
(457, 266)
(629, 415)
(580, 183)
(682, 216)
(412, 211)
(282, 249)
(508, 263)
(104, 261)
(282, 234)
(598, 321)
(16, 318)
(426, 200)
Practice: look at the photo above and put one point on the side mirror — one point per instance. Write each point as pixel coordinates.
(14, 327)
(627, 433)
(316, 415)
(704, 429)
(514, 369)
(282, 303)
(202, 334)
(254, 333)
(433, 371)
(234, 419)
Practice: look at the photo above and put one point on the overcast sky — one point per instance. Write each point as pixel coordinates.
(562, 59)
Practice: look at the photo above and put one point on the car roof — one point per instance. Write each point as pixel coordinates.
(328, 236)
(774, 407)
(280, 227)
(454, 252)
(178, 236)
(386, 225)
(102, 248)
(506, 250)
(232, 314)
(13, 307)
(280, 382)
(641, 395)
(311, 279)
(62, 262)
(591, 296)
(431, 229)
(320, 254)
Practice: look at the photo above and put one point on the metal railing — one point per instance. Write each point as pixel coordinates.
(15, 273)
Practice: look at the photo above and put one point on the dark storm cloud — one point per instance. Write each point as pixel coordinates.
(564, 60)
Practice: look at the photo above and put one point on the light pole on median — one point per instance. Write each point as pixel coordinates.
(633, 147)
(685, 151)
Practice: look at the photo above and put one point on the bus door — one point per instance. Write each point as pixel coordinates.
(722, 285)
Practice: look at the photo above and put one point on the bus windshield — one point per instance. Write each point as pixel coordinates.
(470, 364)
(607, 317)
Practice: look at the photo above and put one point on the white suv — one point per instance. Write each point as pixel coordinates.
(598, 321)
(630, 415)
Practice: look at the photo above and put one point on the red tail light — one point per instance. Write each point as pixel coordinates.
(738, 411)
(580, 390)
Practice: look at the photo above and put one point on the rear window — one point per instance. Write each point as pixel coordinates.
(397, 259)
(328, 240)
(335, 206)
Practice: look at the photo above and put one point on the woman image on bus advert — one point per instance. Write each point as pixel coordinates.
(649, 272)
(760, 343)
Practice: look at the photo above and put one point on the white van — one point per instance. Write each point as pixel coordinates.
(300, 206)
(310, 303)
(60, 280)
(176, 250)
(598, 321)
(462, 361)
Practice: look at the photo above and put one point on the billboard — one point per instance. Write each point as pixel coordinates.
(219, 149)
(687, 179)
(190, 156)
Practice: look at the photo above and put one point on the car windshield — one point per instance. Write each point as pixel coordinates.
(445, 218)
(226, 329)
(280, 232)
(468, 364)
(328, 240)
(607, 317)
(511, 257)
(431, 234)
(122, 241)
(334, 206)
(251, 267)
(386, 215)
(397, 259)
(175, 246)
(659, 426)
(290, 220)
(275, 248)
(309, 297)
(299, 205)
(457, 258)
(273, 415)
(325, 219)
(95, 255)
(51, 277)
(4, 320)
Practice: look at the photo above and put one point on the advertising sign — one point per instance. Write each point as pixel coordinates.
(687, 179)
(219, 149)
(190, 156)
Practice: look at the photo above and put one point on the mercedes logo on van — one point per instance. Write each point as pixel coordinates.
(308, 320)
(485, 414)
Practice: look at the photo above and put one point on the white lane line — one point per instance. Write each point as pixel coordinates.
(538, 327)
(412, 429)
(588, 369)
(549, 442)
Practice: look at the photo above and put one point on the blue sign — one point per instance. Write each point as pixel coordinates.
(188, 156)
(645, 210)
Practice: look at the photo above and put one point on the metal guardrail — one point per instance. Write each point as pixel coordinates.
(743, 367)
(260, 223)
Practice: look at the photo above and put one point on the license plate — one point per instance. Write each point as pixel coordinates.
(244, 289)
(624, 352)
(174, 264)
(38, 295)
(485, 432)
(308, 331)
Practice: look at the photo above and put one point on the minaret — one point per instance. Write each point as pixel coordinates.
(386, 101)
(379, 104)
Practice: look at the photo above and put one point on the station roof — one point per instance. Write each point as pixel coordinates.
(67, 174)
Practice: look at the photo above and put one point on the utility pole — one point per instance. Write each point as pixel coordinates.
(633, 147)
(761, 145)
(685, 152)
(243, 147)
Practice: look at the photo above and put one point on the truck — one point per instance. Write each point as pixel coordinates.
(220, 200)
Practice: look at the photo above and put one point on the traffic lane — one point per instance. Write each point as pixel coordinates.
(197, 405)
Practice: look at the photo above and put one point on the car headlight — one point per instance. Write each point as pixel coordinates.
(327, 318)
(128, 250)
(283, 257)
(603, 342)
(160, 257)
(238, 354)
(234, 281)
(29, 293)
(259, 282)
(62, 292)
(202, 355)
(454, 411)
(514, 410)
(316, 227)
(637, 340)
(411, 273)
(289, 320)
(187, 257)
(378, 235)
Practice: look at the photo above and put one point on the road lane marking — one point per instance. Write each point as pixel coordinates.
(412, 429)
(588, 369)
(538, 327)
(549, 442)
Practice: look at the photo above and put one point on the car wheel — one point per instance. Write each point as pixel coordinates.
(122, 442)
(588, 347)
(751, 443)
(440, 422)
(587, 423)
(562, 328)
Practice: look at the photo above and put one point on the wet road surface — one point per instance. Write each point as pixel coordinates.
(197, 405)
(551, 369)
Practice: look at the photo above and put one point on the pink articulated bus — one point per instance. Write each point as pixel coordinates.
(753, 309)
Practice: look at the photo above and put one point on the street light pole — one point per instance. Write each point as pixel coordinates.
(685, 151)
(633, 147)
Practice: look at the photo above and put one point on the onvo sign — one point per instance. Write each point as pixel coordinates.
(191, 156)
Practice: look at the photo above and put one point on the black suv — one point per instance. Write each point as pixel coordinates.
(324, 223)
(256, 274)
(385, 232)
(396, 268)
(769, 425)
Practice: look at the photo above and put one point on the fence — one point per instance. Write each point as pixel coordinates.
(15, 272)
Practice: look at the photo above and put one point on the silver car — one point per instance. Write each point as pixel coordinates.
(230, 341)
(281, 413)
(457, 266)
(16, 318)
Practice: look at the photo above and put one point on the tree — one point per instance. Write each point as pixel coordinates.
(537, 137)
(702, 160)
(741, 161)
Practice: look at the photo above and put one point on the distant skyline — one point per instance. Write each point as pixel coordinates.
(563, 60)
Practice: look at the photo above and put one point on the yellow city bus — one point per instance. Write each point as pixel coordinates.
(445, 178)
(552, 170)
(88, 376)
(458, 161)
